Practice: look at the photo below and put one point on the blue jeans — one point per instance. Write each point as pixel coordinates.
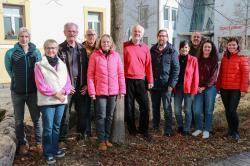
(105, 107)
(156, 97)
(204, 102)
(19, 101)
(51, 116)
(178, 98)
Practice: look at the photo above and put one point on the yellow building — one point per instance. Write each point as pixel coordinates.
(46, 19)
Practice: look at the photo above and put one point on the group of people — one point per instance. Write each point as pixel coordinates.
(92, 73)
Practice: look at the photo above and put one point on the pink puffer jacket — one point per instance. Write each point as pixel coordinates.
(105, 74)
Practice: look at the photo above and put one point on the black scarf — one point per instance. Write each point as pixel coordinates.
(52, 61)
(106, 53)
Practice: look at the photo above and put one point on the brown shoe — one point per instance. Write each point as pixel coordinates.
(24, 149)
(102, 146)
(108, 144)
(39, 149)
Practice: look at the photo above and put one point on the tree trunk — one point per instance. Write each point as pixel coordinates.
(118, 132)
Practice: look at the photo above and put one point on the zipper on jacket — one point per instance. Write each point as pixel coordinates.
(107, 59)
(26, 76)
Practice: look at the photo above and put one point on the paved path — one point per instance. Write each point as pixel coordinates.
(242, 159)
(5, 102)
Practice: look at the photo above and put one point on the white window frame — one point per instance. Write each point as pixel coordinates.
(98, 21)
(13, 16)
(166, 22)
(174, 21)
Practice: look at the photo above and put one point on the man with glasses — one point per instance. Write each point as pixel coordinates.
(165, 65)
(75, 57)
(89, 45)
(90, 42)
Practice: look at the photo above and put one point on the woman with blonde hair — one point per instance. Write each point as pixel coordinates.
(105, 82)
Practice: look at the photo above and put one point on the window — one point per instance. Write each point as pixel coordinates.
(94, 22)
(166, 16)
(174, 17)
(13, 20)
(209, 25)
(143, 16)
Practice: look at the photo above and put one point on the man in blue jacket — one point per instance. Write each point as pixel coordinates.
(165, 65)
(19, 63)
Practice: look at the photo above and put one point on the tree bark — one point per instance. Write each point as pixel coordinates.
(118, 131)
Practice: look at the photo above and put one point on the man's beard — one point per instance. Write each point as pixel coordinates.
(161, 44)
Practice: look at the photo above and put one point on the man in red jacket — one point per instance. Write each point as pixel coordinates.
(137, 64)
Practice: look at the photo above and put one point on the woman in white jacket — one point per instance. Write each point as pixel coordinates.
(53, 86)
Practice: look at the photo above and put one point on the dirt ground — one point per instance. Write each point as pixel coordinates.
(177, 150)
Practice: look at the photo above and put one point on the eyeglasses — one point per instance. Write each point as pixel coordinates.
(51, 48)
(91, 34)
(163, 36)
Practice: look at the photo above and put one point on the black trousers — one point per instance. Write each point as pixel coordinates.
(82, 105)
(230, 99)
(136, 90)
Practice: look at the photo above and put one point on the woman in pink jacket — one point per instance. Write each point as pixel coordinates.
(105, 82)
(186, 87)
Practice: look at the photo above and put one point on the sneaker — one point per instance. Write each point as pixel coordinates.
(196, 133)
(50, 160)
(147, 137)
(185, 133)
(168, 134)
(236, 136)
(108, 144)
(180, 130)
(39, 149)
(102, 146)
(205, 135)
(60, 154)
(24, 149)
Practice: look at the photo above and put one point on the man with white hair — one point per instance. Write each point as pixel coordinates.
(19, 63)
(89, 44)
(75, 57)
(137, 65)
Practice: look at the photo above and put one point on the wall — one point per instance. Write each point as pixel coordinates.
(229, 20)
(131, 15)
(47, 19)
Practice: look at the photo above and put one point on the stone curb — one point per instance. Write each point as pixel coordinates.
(7, 139)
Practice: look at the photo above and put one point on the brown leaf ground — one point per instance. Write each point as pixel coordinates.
(177, 150)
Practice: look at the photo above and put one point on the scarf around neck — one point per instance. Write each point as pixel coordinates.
(52, 61)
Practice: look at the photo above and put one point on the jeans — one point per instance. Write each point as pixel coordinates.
(19, 101)
(156, 97)
(204, 103)
(231, 99)
(105, 107)
(178, 98)
(136, 90)
(51, 116)
(82, 107)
